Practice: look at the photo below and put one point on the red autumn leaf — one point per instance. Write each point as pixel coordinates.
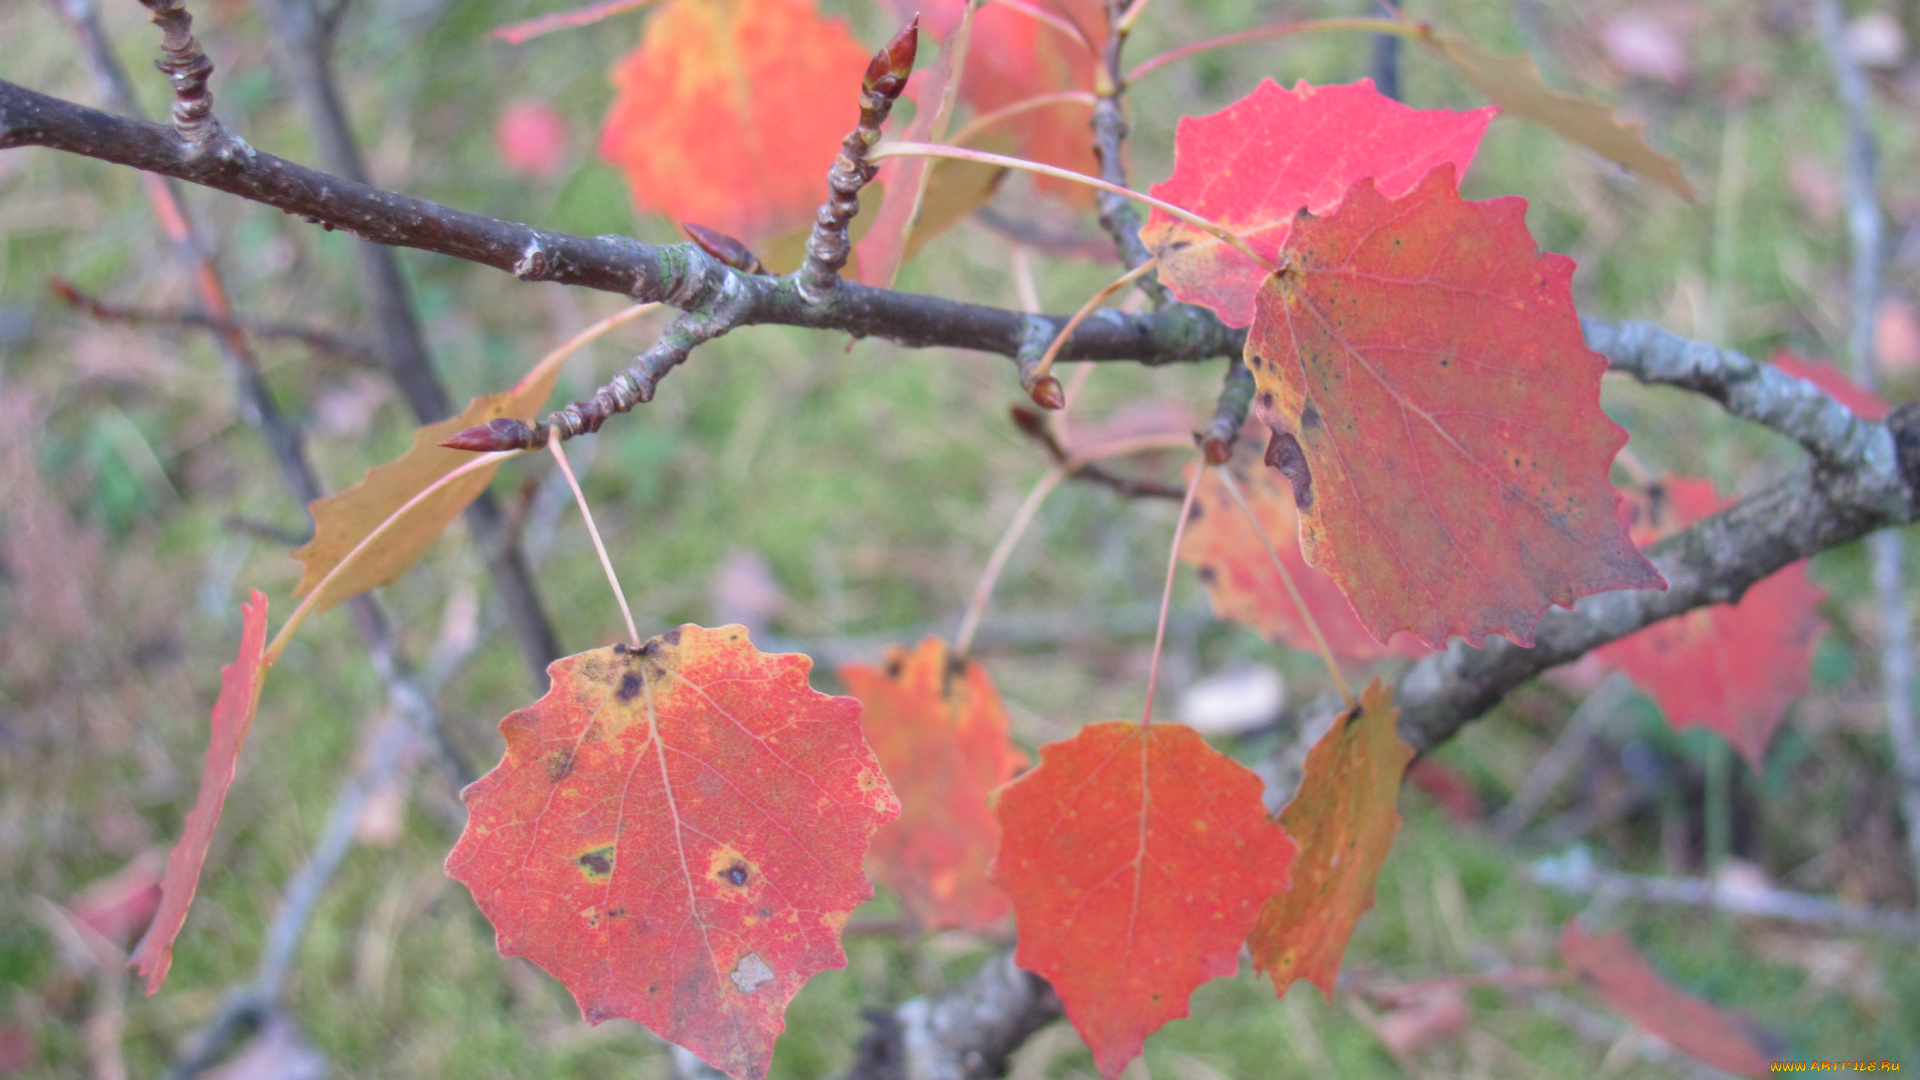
(941, 735)
(1239, 574)
(731, 111)
(1137, 859)
(1733, 668)
(232, 718)
(1254, 164)
(1618, 975)
(1421, 366)
(675, 833)
(1344, 818)
(1865, 404)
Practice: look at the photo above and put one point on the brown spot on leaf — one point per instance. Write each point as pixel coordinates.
(560, 764)
(629, 686)
(597, 863)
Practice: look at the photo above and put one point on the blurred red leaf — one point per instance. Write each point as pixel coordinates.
(1255, 164)
(1137, 859)
(1239, 574)
(731, 111)
(675, 833)
(1344, 818)
(1444, 785)
(1618, 975)
(120, 906)
(1422, 361)
(531, 139)
(941, 735)
(1733, 668)
(1824, 374)
(232, 720)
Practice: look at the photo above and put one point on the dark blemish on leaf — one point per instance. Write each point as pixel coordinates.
(1209, 575)
(895, 666)
(671, 637)
(597, 863)
(629, 686)
(617, 913)
(619, 648)
(736, 874)
(1180, 245)
(1310, 417)
(560, 764)
(653, 988)
(766, 913)
(1266, 399)
(1284, 453)
(1195, 513)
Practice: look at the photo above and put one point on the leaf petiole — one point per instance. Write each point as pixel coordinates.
(1166, 596)
(961, 153)
(599, 546)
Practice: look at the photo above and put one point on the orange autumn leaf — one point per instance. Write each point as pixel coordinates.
(1240, 577)
(675, 833)
(1618, 975)
(731, 111)
(232, 719)
(1431, 398)
(1137, 858)
(941, 735)
(1344, 818)
(1513, 82)
(1732, 668)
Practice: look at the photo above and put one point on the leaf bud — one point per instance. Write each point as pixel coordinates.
(887, 74)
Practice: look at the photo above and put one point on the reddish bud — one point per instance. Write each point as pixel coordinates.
(1033, 424)
(64, 290)
(1219, 451)
(888, 72)
(505, 433)
(1048, 394)
(723, 247)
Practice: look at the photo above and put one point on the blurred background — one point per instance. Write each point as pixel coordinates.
(841, 497)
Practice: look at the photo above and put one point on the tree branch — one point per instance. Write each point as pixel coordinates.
(681, 274)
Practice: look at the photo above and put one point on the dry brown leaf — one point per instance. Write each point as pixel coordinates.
(342, 521)
(1512, 81)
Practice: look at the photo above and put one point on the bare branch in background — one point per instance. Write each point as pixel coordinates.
(1574, 872)
(320, 341)
(1887, 551)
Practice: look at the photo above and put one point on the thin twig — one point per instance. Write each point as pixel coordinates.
(1034, 426)
(1117, 214)
(1886, 550)
(187, 67)
(1229, 413)
(1268, 33)
(1575, 872)
(320, 341)
(830, 244)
